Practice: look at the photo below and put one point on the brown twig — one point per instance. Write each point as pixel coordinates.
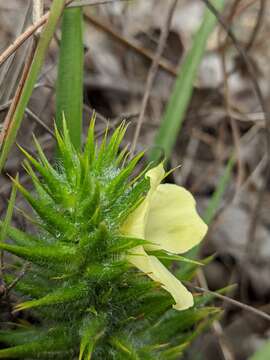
(38, 9)
(152, 73)
(257, 26)
(229, 300)
(131, 44)
(9, 116)
(216, 326)
(246, 60)
(242, 53)
(233, 125)
(20, 40)
(236, 11)
(26, 35)
(39, 121)
(5, 106)
(245, 6)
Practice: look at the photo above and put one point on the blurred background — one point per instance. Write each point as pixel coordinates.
(224, 117)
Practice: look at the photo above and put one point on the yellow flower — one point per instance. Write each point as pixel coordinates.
(168, 219)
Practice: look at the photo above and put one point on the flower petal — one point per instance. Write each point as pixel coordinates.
(136, 222)
(156, 175)
(152, 267)
(173, 223)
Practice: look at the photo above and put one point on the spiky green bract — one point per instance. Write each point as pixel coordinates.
(91, 303)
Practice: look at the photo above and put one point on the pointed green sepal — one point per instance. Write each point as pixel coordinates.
(91, 331)
(43, 255)
(59, 296)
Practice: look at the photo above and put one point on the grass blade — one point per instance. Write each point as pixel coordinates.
(263, 353)
(69, 88)
(55, 13)
(183, 88)
(217, 196)
(5, 225)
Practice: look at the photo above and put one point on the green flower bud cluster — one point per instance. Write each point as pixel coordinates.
(90, 302)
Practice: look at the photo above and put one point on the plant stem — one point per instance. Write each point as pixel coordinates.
(69, 88)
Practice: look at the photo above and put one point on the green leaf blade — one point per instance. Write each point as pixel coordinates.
(69, 88)
(176, 108)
